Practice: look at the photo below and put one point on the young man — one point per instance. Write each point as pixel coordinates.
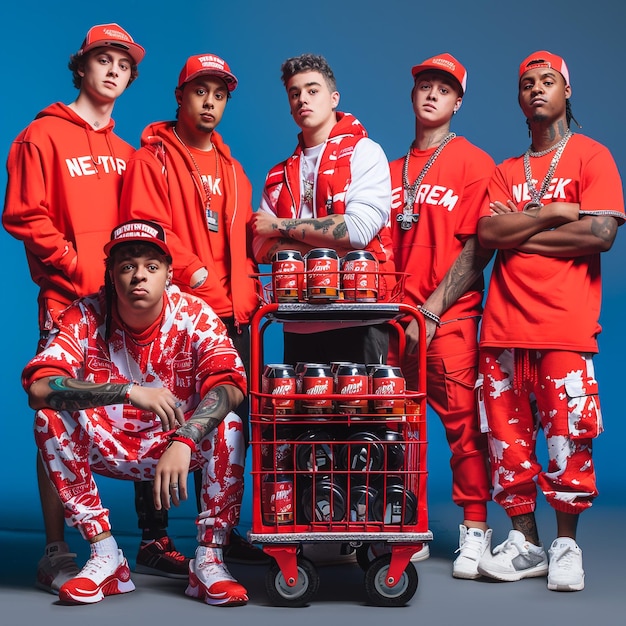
(139, 382)
(438, 188)
(185, 178)
(552, 211)
(333, 192)
(64, 180)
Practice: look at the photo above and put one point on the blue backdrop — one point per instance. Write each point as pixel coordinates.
(371, 47)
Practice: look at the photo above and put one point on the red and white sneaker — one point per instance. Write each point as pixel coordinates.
(210, 580)
(101, 576)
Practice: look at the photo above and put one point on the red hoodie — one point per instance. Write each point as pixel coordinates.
(162, 185)
(64, 182)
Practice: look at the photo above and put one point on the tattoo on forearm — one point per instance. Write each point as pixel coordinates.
(464, 272)
(604, 228)
(68, 394)
(340, 231)
(213, 408)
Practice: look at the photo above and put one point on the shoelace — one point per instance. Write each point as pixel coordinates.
(473, 546)
(95, 565)
(174, 554)
(508, 545)
(565, 557)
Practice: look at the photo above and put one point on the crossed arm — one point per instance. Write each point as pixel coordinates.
(554, 230)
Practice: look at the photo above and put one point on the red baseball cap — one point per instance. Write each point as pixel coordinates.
(445, 63)
(207, 65)
(114, 36)
(141, 231)
(543, 58)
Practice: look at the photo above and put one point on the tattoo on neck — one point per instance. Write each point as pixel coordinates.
(68, 394)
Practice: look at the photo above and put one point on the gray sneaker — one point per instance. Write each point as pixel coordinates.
(56, 567)
(514, 559)
(565, 572)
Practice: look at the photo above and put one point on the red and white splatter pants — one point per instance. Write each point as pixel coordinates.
(74, 445)
(556, 390)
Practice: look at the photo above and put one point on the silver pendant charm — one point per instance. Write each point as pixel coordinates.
(407, 219)
(533, 204)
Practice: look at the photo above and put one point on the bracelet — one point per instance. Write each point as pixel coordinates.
(130, 385)
(186, 440)
(430, 315)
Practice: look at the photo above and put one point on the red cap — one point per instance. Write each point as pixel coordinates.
(114, 36)
(543, 58)
(207, 65)
(141, 231)
(445, 63)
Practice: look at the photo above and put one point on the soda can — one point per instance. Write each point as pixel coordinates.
(359, 276)
(279, 381)
(351, 382)
(277, 499)
(317, 387)
(277, 452)
(395, 504)
(322, 274)
(387, 380)
(288, 276)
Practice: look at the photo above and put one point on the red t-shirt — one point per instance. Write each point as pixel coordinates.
(448, 202)
(537, 301)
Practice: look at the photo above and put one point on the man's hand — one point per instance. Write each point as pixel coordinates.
(162, 402)
(412, 334)
(264, 225)
(170, 480)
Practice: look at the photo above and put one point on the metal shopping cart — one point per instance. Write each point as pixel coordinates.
(336, 467)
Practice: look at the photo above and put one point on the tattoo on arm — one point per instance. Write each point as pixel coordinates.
(213, 408)
(464, 272)
(604, 228)
(68, 394)
(340, 231)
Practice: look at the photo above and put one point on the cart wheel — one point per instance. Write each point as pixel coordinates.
(379, 593)
(281, 594)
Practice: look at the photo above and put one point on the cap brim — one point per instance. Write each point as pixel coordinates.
(227, 77)
(140, 240)
(419, 69)
(135, 51)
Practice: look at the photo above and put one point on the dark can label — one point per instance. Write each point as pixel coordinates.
(279, 381)
(351, 382)
(317, 386)
(359, 276)
(288, 276)
(322, 274)
(387, 381)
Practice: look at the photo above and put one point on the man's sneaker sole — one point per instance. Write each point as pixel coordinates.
(153, 571)
(567, 586)
(509, 577)
(221, 593)
(81, 590)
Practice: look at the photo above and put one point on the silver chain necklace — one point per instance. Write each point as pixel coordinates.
(407, 218)
(205, 184)
(141, 379)
(536, 196)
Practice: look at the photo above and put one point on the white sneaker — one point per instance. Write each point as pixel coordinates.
(101, 576)
(514, 559)
(473, 543)
(56, 567)
(210, 580)
(565, 572)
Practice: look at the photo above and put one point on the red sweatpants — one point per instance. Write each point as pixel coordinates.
(451, 371)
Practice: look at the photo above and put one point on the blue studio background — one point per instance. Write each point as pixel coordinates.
(371, 47)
